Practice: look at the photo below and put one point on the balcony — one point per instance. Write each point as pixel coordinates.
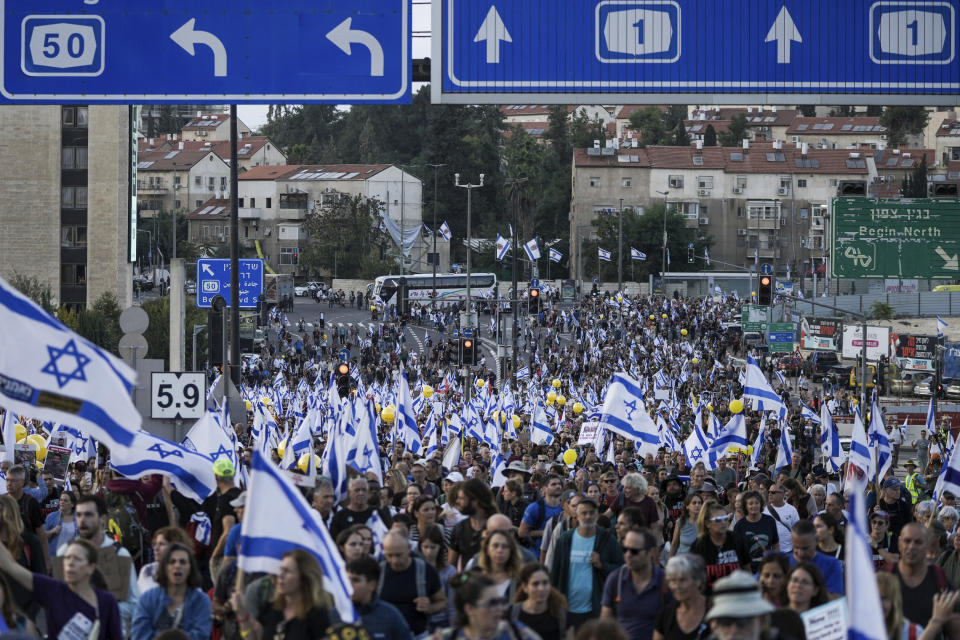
(290, 212)
(146, 187)
(764, 223)
(250, 213)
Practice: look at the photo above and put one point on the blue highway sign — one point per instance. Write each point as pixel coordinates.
(766, 269)
(243, 51)
(780, 336)
(213, 279)
(723, 51)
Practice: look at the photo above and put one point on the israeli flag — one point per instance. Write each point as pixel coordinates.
(949, 479)
(555, 256)
(9, 430)
(48, 372)
(540, 430)
(757, 387)
(758, 443)
(879, 441)
(785, 453)
(706, 257)
(522, 373)
(502, 246)
(603, 254)
(209, 439)
(278, 519)
(733, 434)
(860, 456)
(367, 458)
(636, 254)
(941, 325)
(445, 231)
(532, 249)
(809, 414)
(860, 576)
(931, 417)
(695, 447)
(830, 440)
(190, 472)
(624, 412)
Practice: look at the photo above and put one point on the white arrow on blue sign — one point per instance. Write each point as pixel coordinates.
(860, 51)
(243, 51)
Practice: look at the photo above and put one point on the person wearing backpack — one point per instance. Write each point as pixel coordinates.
(382, 620)
(539, 512)
(409, 583)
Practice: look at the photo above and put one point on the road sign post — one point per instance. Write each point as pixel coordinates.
(875, 238)
(213, 279)
(780, 337)
(237, 52)
(689, 51)
(754, 318)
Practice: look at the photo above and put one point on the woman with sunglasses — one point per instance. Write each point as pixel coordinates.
(300, 608)
(177, 602)
(480, 609)
(724, 551)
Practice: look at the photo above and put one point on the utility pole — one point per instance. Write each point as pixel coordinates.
(663, 253)
(620, 248)
(514, 184)
(433, 285)
(469, 304)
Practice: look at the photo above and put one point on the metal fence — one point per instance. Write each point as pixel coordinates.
(924, 303)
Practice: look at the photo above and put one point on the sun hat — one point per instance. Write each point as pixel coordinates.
(737, 596)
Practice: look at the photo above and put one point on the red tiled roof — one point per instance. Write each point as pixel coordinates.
(212, 209)
(835, 126)
(905, 159)
(699, 127)
(289, 172)
(204, 121)
(949, 127)
(169, 160)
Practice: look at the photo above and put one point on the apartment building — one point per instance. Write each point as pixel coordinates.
(179, 180)
(252, 151)
(215, 126)
(948, 141)
(838, 133)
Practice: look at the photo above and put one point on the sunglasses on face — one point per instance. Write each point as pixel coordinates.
(633, 550)
(719, 518)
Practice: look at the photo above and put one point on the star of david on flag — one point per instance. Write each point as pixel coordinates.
(190, 472)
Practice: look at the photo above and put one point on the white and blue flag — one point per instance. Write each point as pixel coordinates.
(190, 472)
(50, 373)
(949, 479)
(502, 245)
(409, 431)
(757, 388)
(941, 325)
(695, 447)
(532, 249)
(860, 454)
(555, 256)
(624, 413)
(279, 519)
(445, 231)
(829, 440)
(209, 439)
(603, 254)
(879, 442)
(785, 451)
(733, 434)
(636, 254)
(860, 576)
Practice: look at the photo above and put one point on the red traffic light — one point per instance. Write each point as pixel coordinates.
(534, 293)
(343, 369)
(765, 281)
(468, 344)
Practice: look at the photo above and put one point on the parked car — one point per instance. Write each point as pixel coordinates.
(819, 363)
(840, 373)
(924, 387)
(790, 364)
(301, 291)
(904, 384)
(951, 388)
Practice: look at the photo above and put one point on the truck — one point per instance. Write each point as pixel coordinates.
(277, 287)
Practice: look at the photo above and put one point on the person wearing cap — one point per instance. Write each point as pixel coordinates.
(898, 509)
(514, 471)
(222, 514)
(880, 539)
(739, 610)
(583, 558)
(914, 482)
(419, 473)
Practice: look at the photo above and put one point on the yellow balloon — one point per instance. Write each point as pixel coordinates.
(37, 439)
(388, 413)
(266, 401)
(551, 396)
(427, 391)
(736, 405)
(652, 316)
(305, 459)
(750, 450)
(22, 441)
(753, 294)
(377, 405)
(372, 308)
(481, 382)
(516, 421)
(282, 447)
(21, 431)
(549, 402)
(556, 383)
(561, 400)
(695, 360)
(578, 408)
(569, 457)
(683, 332)
(663, 315)
(247, 405)
(709, 407)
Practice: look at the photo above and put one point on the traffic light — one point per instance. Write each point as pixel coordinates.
(690, 253)
(533, 301)
(765, 292)
(468, 351)
(343, 379)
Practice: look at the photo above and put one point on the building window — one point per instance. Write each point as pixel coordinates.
(289, 255)
(240, 203)
(595, 181)
(205, 232)
(198, 203)
(73, 236)
(81, 200)
(68, 196)
(705, 182)
(433, 258)
(801, 183)
(763, 211)
(211, 181)
(69, 116)
(269, 202)
(223, 182)
(689, 210)
(73, 274)
(676, 182)
(253, 202)
(197, 180)
(626, 183)
(82, 117)
(176, 181)
(785, 183)
(176, 204)
(73, 158)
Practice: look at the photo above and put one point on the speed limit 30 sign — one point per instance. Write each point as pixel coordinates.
(177, 395)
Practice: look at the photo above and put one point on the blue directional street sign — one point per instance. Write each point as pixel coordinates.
(766, 269)
(780, 336)
(238, 51)
(213, 279)
(343, 354)
(696, 51)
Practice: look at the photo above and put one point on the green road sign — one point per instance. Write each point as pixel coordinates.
(754, 317)
(876, 238)
(780, 337)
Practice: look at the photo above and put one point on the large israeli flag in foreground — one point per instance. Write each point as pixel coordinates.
(277, 520)
(190, 472)
(50, 373)
(859, 575)
(624, 413)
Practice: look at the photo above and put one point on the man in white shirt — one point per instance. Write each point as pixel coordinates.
(895, 436)
(785, 514)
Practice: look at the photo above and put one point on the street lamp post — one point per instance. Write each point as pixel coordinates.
(197, 330)
(620, 248)
(433, 285)
(469, 305)
(515, 303)
(663, 256)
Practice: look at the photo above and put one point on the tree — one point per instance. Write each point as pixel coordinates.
(902, 122)
(807, 110)
(348, 227)
(736, 131)
(33, 288)
(842, 111)
(583, 130)
(648, 122)
(710, 136)
(298, 153)
(874, 110)
(369, 152)
(915, 185)
(680, 137)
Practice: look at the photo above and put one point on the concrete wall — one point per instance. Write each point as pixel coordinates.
(30, 193)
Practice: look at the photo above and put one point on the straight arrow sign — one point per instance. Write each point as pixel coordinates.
(493, 31)
(784, 31)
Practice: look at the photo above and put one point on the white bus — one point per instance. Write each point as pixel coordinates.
(451, 287)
